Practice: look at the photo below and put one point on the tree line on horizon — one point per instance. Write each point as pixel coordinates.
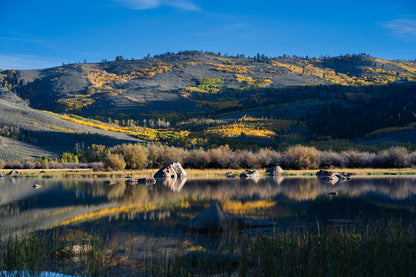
(138, 156)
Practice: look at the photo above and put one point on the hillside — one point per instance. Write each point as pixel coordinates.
(26, 132)
(240, 101)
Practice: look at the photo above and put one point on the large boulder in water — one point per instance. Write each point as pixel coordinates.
(172, 170)
(274, 171)
(211, 219)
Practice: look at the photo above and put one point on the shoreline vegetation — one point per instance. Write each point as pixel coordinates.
(132, 157)
(200, 173)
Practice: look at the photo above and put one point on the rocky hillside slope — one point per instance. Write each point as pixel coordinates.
(228, 99)
(27, 132)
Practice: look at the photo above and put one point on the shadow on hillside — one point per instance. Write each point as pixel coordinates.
(59, 142)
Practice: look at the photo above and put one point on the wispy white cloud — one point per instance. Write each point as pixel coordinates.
(403, 28)
(187, 5)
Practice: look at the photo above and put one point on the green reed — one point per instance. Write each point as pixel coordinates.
(382, 247)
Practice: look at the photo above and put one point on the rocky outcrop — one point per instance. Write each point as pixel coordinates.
(254, 174)
(332, 177)
(172, 170)
(274, 171)
(14, 172)
(172, 176)
(211, 219)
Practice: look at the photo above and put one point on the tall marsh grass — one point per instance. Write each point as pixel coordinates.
(381, 247)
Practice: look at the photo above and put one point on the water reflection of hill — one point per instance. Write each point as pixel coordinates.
(68, 200)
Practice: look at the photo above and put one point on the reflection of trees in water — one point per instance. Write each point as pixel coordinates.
(115, 191)
(311, 188)
(395, 188)
(299, 189)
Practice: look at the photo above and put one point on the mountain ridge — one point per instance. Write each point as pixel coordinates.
(261, 100)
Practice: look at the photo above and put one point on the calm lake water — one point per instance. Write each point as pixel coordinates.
(81, 201)
(145, 217)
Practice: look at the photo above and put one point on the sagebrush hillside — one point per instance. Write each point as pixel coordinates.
(195, 98)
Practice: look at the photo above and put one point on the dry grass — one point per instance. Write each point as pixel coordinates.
(202, 173)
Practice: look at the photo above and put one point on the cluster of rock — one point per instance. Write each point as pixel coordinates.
(174, 177)
(254, 174)
(212, 219)
(332, 177)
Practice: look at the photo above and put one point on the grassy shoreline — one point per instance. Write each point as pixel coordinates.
(362, 172)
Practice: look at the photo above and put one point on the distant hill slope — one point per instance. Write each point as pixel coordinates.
(26, 132)
(346, 97)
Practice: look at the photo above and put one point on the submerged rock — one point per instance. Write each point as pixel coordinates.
(274, 171)
(146, 181)
(211, 219)
(36, 186)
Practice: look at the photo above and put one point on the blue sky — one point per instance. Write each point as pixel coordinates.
(46, 33)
